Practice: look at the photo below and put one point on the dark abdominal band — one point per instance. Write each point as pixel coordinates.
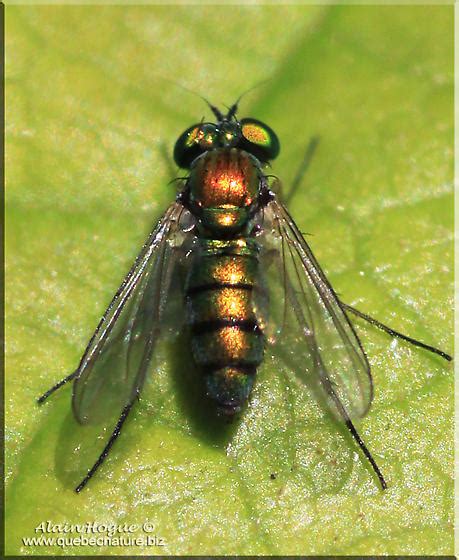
(227, 340)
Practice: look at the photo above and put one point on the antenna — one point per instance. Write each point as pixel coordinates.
(218, 114)
(232, 110)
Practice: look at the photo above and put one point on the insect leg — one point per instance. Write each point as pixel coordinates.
(366, 452)
(395, 333)
(58, 385)
(350, 426)
(106, 450)
(313, 143)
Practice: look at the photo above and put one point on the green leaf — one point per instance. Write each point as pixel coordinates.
(90, 107)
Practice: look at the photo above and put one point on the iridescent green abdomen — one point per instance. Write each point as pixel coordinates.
(223, 311)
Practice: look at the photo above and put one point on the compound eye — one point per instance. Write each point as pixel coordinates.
(259, 139)
(193, 142)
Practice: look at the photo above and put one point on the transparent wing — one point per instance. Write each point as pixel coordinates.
(115, 362)
(309, 321)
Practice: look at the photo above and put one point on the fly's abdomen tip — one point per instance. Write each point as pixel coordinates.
(230, 387)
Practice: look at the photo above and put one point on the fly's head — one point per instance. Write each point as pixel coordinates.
(250, 135)
(225, 159)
